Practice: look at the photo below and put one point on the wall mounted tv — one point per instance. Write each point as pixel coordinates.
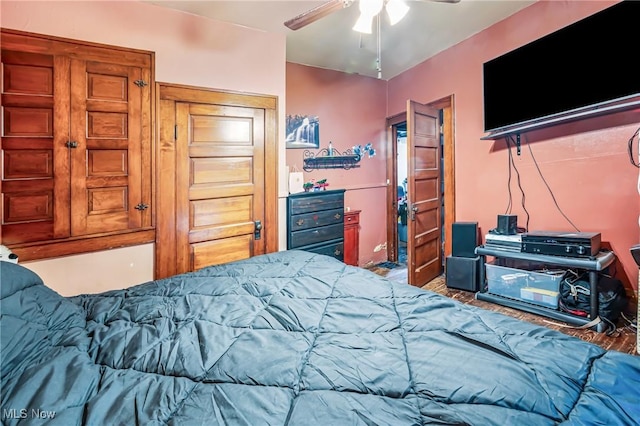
(583, 69)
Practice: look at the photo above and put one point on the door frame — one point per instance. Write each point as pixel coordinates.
(446, 104)
(167, 95)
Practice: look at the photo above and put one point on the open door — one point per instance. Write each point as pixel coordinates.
(424, 234)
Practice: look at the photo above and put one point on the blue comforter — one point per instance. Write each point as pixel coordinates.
(293, 338)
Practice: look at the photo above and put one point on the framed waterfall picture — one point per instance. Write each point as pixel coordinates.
(303, 131)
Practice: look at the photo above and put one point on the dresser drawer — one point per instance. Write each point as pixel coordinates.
(316, 235)
(334, 249)
(315, 219)
(313, 202)
(352, 218)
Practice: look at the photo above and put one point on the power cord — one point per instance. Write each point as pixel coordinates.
(553, 197)
(513, 164)
(508, 209)
(630, 149)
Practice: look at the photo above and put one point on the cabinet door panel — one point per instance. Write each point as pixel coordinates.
(105, 121)
(32, 196)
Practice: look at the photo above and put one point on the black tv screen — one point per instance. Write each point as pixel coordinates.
(588, 64)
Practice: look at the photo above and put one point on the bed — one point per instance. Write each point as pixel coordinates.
(293, 338)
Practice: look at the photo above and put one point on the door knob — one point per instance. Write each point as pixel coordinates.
(258, 229)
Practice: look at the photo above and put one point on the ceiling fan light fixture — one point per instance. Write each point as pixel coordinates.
(363, 24)
(396, 9)
(370, 7)
(368, 10)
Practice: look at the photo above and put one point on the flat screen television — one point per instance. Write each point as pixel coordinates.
(581, 69)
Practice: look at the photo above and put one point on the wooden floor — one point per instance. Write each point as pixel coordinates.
(624, 339)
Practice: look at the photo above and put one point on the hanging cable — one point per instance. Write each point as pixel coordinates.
(513, 164)
(549, 188)
(508, 209)
(630, 148)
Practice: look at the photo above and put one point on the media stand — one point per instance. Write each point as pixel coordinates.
(591, 265)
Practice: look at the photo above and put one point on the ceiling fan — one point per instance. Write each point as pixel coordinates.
(396, 9)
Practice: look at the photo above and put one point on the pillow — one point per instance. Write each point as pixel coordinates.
(15, 277)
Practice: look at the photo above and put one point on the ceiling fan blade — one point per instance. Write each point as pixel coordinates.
(316, 13)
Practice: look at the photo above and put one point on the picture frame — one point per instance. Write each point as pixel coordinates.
(302, 131)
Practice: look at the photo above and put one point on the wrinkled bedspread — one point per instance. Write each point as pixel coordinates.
(293, 338)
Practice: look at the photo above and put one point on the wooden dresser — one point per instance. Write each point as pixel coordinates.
(315, 222)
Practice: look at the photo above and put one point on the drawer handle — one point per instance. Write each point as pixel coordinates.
(299, 222)
(350, 219)
(337, 216)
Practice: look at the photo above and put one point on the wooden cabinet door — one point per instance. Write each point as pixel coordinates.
(35, 161)
(220, 184)
(106, 126)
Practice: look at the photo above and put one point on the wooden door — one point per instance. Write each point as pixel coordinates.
(106, 128)
(424, 236)
(220, 184)
(217, 164)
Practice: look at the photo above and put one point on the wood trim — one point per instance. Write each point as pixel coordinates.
(165, 256)
(182, 93)
(79, 49)
(271, 179)
(82, 245)
(392, 184)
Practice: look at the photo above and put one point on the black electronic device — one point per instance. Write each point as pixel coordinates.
(541, 75)
(464, 239)
(503, 242)
(462, 273)
(569, 244)
(635, 252)
(507, 224)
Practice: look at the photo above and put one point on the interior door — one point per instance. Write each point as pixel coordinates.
(220, 184)
(424, 237)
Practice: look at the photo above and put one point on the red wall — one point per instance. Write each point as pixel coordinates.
(585, 163)
(352, 111)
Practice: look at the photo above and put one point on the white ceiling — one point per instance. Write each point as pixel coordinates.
(429, 27)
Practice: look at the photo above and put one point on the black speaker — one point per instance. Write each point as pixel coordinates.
(464, 239)
(462, 273)
(507, 224)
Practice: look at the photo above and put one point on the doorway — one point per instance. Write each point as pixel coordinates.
(398, 208)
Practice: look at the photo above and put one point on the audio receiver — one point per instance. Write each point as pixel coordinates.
(570, 244)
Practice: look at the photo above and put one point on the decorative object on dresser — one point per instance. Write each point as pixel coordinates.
(351, 237)
(76, 145)
(315, 222)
